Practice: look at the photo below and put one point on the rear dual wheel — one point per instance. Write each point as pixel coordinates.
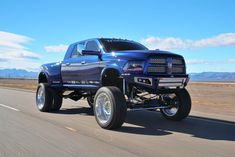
(48, 99)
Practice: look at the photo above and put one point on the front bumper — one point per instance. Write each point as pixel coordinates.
(156, 83)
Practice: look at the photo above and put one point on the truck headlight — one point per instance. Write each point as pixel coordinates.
(134, 66)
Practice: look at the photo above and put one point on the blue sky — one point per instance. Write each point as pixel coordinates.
(37, 32)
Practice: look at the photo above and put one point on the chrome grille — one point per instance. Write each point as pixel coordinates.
(166, 65)
(177, 61)
(177, 70)
(155, 69)
(157, 60)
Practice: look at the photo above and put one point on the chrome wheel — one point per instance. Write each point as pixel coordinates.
(40, 98)
(174, 107)
(103, 108)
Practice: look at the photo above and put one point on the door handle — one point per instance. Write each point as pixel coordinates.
(67, 64)
(83, 62)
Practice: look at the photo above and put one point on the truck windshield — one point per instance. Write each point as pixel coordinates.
(121, 45)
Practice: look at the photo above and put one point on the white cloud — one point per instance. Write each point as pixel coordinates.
(12, 40)
(20, 64)
(195, 61)
(3, 60)
(14, 53)
(227, 39)
(164, 43)
(232, 60)
(56, 48)
(215, 62)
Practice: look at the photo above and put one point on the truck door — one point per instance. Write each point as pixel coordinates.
(71, 66)
(91, 65)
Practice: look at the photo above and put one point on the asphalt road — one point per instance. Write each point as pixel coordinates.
(73, 131)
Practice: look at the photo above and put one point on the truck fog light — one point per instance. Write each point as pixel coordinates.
(143, 80)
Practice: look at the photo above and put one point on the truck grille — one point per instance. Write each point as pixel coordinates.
(166, 66)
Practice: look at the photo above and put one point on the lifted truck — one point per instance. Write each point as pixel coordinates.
(115, 75)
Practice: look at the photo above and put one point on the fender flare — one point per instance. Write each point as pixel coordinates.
(44, 73)
(105, 69)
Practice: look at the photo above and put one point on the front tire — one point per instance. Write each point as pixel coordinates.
(110, 107)
(181, 106)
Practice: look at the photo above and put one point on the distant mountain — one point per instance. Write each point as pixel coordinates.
(17, 73)
(213, 76)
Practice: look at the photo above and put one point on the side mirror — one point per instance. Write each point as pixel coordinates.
(90, 52)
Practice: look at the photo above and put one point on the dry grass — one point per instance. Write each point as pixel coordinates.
(207, 97)
(27, 84)
(213, 97)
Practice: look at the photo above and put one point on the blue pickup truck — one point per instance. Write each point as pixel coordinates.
(116, 75)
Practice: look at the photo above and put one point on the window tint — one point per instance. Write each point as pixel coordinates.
(92, 46)
(77, 51)
(121, 45)
(80, 47)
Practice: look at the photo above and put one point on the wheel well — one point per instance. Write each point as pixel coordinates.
(42, 78)
(111, 77)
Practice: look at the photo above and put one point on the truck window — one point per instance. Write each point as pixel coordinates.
(92, 46)
(121, 45)
(77, 51)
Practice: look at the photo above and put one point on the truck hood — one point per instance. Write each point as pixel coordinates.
(141, 54)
